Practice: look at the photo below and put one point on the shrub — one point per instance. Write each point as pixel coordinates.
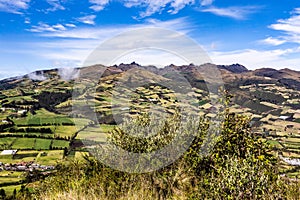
(239, 166)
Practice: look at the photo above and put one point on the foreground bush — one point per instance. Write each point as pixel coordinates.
(240, 166)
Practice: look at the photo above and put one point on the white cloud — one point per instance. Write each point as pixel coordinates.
(277, 58)
(37, 77)
(177, 5)
(9, 73)
(235, 12)
(43, 27)
(68, 73)
(59, 27)
(56, 5)
(71, 25)
(85, 33)
(98, 5)
(273, 41)
(89, 19)
(14, 6)
(206, 2)
(290, 27)
(157, 6)
(75, 45)
(179, 24)
(27, 20)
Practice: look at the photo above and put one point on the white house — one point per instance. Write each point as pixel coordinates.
(284, 117)
(21, 112)
(8, 152)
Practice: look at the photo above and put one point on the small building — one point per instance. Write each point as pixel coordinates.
(22, 112)
(125, 108)
(9, 152)
(21, 168)
(153, 100)
(287, 118)
(284, 117)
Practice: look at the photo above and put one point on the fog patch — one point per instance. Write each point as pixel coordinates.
(35, 76)
(68, 73)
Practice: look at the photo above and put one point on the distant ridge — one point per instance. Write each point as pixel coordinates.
(235, 77)
(230, 73)
(234, 68)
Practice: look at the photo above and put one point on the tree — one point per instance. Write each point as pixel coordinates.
(2, 194)
(14, 193)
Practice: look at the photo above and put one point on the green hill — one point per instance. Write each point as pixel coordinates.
(53, 117)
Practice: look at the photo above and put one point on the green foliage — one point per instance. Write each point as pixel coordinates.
(239, 166)
(141, 136)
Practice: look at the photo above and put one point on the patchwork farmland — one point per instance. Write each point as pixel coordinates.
(46, 125)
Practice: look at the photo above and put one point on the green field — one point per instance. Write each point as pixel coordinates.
(51, 158)
(60, 143)
(27, 135)
(8, 177)
(10, 189)
(42, 117)
(65, 131)
(81, 122)
(42, 144)
(25, 155)
(6, 141)
(23, 143)
(6, 158)
(21, 156)
(97, 133)
(43, 157)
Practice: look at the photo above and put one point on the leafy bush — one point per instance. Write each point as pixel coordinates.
(240, 166)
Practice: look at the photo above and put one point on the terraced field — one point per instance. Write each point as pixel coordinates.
(53, 120)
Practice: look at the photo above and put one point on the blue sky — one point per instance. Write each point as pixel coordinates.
(41, 34)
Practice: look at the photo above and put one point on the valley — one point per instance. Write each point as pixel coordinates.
(46, 120)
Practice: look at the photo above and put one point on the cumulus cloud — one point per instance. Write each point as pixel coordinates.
(273, 41)
(14, 6)
(174, 6)
(290, 27)
(98, 5)
(56, 5)
(71, 25)
(177, 5)
(156, 6)
(206, 2)
(276, 58)
(43, 27)
(68, 73)
(89, 19)
(35, 76)
(27, 20)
